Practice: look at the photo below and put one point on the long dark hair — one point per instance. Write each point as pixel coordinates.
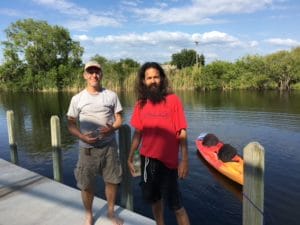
(141, 88)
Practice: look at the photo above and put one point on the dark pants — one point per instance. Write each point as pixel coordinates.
(160, 182)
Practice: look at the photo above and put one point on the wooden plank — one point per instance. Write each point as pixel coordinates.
(126, 185)
(28, 198)
(253, 189)
(56, 148)
(11, 137)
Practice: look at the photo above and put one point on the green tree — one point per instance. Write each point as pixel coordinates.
(12, 68)
(218, 74)
(201, 60)
(251, 73)
(44, 55)
(118, 72)
(296, 58)
(100, 59)
(284, 68)
(186, 58)
(124, 68)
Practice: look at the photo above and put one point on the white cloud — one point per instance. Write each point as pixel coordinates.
(160, 45)
(218, 37)
(119, 32)
(82, 37)
(84, 19)
(210, 56)
(283, 42)
(64, 7)
(150, 38)
(164, 37)
(9, 12)
(91, 21)
(253, 44)
(199, 11)
(130, 3)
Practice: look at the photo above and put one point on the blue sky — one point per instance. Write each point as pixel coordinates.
(154, 30)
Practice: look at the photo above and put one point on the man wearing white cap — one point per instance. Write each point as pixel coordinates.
(93, 116)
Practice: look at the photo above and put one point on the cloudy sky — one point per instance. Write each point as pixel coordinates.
(153, 30)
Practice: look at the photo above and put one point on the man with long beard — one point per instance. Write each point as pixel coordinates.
(160, 126)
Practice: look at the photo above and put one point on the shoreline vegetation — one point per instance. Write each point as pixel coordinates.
(179, 80)
(39, 57)
(213, 76)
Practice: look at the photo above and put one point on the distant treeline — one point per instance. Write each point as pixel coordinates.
(40, 57)
(280, 70)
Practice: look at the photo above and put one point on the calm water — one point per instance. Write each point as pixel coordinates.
(271, 118)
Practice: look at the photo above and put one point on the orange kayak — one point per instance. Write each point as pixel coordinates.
(232, 170)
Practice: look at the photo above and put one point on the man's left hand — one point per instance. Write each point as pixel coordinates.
(183, 169)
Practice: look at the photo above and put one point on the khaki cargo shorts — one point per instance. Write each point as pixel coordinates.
(102, 161)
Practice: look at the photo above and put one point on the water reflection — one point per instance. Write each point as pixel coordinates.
(33, 111)
(268, 101)
(32, 114)
(239, 117)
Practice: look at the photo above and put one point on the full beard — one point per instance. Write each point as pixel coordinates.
(154, 94)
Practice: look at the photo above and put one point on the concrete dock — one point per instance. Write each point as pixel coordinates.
(27, 198)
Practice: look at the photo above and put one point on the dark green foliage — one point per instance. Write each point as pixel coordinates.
(201, 60)
(280, 70)
(115, 73)
(284, 68)
(187, 58)
(184, 59)
(39, 56)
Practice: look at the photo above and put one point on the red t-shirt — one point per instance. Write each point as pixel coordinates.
(160, 125)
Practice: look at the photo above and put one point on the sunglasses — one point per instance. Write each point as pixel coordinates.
(93, 70)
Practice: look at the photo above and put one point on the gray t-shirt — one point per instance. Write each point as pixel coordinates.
(94, 111)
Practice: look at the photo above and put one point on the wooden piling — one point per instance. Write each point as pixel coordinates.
(253, 189)
(56, 148)
(126, 185)
(11, 137)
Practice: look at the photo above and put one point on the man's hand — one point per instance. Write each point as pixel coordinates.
(183, 169)
(88, 138)
(72, 126)
(131, 166)
(106, 131)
